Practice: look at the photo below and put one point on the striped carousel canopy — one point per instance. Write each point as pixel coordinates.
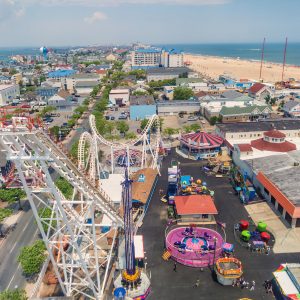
(201, 140)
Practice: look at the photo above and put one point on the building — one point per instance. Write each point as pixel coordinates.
(244, 114)
(142, 107)
(275, 177)
(169, 108)
(46, 92)
(111, 57)
(62, 100)
(116, 181)
(287, 281)
(292, 109)
(232, 83)
(16, 78)
(156, 74)
(8, 92)
(252, 130)
(212, 105)
(119, 96)
(172, 58)
(143, 186)
(259, 91)
(145, 58)
(58, 74)
(195, 208)
(200, 145)
(82, 83)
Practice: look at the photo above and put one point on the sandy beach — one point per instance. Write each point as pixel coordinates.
(240, 69)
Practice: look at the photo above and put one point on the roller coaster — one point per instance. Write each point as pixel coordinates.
(79, 255)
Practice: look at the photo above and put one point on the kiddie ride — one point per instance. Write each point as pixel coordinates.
(191, 187)
(255, 240)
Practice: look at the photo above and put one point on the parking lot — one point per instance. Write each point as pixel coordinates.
(167, 284)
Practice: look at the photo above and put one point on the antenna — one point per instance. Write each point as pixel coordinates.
(284, 58)
(262, 57)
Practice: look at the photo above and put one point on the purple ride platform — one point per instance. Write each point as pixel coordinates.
(194, 256)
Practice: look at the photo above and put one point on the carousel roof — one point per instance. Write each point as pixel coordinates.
(201, 140)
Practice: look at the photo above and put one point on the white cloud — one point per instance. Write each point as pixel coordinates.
(11, 8)
(95, 17)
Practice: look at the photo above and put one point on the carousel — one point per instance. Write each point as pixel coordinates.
(200, 145)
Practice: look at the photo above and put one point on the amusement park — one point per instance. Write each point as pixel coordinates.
(102, 255)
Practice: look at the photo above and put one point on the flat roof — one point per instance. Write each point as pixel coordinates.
(141, 190)
(281, 170)
(139, 246)
(141, 100)
(279, 124)
(112, 186)
(195, 205)
(176, 71)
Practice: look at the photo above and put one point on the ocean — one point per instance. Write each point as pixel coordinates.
(273, 52)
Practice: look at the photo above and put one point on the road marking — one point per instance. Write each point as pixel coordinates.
(13, 277)
(15, 244)
(26, 227)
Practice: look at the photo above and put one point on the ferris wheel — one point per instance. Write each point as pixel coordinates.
(138, 153)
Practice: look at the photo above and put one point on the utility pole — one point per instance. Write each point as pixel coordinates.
(284, 58)
(262, 58)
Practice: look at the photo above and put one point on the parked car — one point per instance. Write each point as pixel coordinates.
(122, 117)
(192, 118)
(25, 106)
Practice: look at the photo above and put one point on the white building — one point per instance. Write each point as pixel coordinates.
(175, 59)
(8, 92)
(82, 83)
(119, 96)
(149, 57)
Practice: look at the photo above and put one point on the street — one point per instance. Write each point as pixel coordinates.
(25, 233)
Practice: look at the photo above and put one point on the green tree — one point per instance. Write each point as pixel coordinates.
(109, 127)
(144, 123)
(267, 99)
(182, 93)
(140, 93)
(273, 101)
(65, 187)
(4, 213)
(32, 257)
(130, 136)
(42, 78)
(16, 294)
(46, 110)
(169, 131)
(140, 74)
(55, 131)
(74, 150)
(195, 127)
(122, 126)
(46, 213)
(11, 195)
(213, 120)
(13, 71)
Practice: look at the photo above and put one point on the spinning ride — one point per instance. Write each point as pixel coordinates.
(194, 246)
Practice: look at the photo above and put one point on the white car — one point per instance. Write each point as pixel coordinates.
(192, 118)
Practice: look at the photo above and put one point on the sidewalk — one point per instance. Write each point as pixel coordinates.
(287, 239)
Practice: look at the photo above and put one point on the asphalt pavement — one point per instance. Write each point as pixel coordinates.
(167, 284)
(25, 233)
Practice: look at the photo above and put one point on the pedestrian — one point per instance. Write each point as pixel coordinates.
(197, 283)
(234, 281)
(161, 192)
(175, 267)
(252, 286)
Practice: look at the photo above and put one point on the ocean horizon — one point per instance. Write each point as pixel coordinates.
(245, 51)
(274, 52)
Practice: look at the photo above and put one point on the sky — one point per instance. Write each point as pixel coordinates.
(106, 22)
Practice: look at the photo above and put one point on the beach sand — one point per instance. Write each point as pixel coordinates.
(240, 69)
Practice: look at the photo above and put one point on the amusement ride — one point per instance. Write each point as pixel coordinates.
(79, 262)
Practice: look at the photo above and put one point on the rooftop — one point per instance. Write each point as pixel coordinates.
(282, 170)
(142, 100)
(245, 147)
(265, 125)
(142, 190)
(173, 71)
(256, 87)
(246, 110)
(6, 86)
(195, 205)
(147, 50)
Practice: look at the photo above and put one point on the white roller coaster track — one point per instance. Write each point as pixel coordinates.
(143, 137)
(82, 268)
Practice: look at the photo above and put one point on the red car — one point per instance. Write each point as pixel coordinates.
(25, 106)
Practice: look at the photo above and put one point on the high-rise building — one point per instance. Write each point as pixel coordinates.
(145, 58)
